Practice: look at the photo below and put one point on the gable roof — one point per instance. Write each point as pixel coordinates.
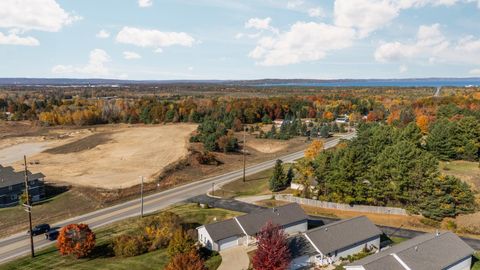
(223, 229)
(425, 252)
(283, 215)
(342, 234)
(9, 177)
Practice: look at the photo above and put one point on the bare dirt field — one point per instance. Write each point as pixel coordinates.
(109, 157)
(267, 146)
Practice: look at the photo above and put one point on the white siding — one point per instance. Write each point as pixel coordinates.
(204, 238)
(296, 227)
(354, 268)
(461, 265)
(357, 248)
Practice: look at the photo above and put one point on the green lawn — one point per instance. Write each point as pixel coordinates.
(256, 184)
(49, 258)
(476, 266)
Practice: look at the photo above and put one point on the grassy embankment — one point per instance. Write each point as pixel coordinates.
(49, 258)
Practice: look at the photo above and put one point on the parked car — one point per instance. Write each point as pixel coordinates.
(39, 229)
(51, 235)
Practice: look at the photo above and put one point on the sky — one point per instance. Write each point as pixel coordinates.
(248, 39)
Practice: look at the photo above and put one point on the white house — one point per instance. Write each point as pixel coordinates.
(242, 230)
(445, 251)
(343, 238)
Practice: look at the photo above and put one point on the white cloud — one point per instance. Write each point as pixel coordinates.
(95, 67)
(145, 3)
(431, 46)
(190, 68)
(293, 4)
(103, 34)
(43, 15)
(403, 68)
(475, 72)
(303, 42)
(153, 38)
(158, 50)
(430, 41)
(131, 55)
(13, 39)
(367, 16)
(239, 35)
(260, 24)
(316, 12)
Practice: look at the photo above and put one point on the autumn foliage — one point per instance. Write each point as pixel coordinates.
(186, 261)
(273, 252)
(314, 149)
(76, 239)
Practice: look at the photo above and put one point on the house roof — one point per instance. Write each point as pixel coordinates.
(223, 229)
(9, 177)
(253, 222)
(283, 215)
(299, 246)
(342, 234)
(425, 252)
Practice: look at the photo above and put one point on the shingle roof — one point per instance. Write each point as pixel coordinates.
(342, 234)
(425, 252)
(223, 229)
(9, 177)
(282, 215)
(300, 246)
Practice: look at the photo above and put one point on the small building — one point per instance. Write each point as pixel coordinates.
(12, 186)
(342, 120)
(343, 238)
(242, 230)
(445, 251)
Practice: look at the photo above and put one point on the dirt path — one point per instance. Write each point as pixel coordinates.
(11, 154)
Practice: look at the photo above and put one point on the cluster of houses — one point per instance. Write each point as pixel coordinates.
(334, 242)
(12, 186)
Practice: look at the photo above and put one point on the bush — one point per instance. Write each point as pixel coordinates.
(207, 158)
(430, 222)
(159, 229)
(76, 239)
(129, 246)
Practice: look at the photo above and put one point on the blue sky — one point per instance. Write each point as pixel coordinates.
(222, 39)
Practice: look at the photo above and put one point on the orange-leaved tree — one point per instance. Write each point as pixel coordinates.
(422, 123)
(186, 261)
(76, 239)
(314, 149)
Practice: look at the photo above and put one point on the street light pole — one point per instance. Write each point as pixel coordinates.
(28, 207)
(244, 150)
(141, 197)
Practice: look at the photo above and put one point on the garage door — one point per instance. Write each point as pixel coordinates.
(227, 243)
(299, 262)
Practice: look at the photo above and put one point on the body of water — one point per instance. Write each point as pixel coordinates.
(385, 83)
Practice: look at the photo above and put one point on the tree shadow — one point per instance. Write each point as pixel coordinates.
(101, 252)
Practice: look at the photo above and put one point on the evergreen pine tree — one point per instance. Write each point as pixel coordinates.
(278, 179)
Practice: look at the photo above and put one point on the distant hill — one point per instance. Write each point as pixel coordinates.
(430, 82)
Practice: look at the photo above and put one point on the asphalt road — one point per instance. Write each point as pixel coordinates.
(18, 244)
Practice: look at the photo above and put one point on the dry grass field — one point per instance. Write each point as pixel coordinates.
(109, 157)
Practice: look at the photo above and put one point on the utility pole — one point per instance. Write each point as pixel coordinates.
(28, 207)
(141, 196)
(244, 150)
(213, 189)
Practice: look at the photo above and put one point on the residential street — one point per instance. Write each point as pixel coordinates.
(18, 244)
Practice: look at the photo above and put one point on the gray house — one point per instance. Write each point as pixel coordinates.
(340, 239)
(445, 251)
(12, 186)
(242, 230)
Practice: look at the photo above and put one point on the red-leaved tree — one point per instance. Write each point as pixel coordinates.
(272, 252)
(76, 239)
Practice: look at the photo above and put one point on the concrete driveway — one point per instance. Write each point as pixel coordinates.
(234, 258)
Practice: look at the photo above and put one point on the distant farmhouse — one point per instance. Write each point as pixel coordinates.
(242, 230)
(12, 186)
(342, 120)
(445, 251)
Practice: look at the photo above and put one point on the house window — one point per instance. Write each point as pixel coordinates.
(13, 197)
(10, 188)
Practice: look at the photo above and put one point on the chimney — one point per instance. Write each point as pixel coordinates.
(437, 233)
(416, 248)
